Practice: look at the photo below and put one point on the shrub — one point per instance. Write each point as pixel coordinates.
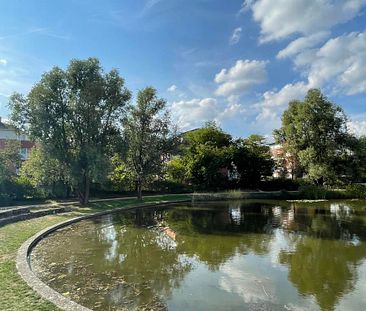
(279, 184)
(356, 191)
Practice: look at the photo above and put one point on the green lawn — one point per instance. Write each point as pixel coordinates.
(14, 292)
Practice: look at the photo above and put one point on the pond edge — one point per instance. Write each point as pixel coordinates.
(46, 292)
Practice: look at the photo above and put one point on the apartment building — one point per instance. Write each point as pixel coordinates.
(7, 132)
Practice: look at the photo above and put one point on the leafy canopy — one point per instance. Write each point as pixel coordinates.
(315, 132)
(74, 114)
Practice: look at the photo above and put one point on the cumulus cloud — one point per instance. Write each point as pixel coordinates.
(241, 77)
(338, 65)
(3, 62)
(273, 103)
(342, 61)
(301, 44)
(235, 37)
(282, 18)
(194, 113)
(172, 88)
(357, 128)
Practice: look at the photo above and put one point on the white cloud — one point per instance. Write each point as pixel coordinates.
(172, 88)
(339, 65)
(235, 37)
(3, 62)
(357, 128)
(273, 103)
(341, 61)
(241, 77)
(282, 18)
(195, 112)
(302, 43)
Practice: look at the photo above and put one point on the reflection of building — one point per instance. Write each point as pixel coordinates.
(7, 132)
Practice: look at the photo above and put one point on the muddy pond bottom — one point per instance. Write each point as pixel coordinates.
(236, 255)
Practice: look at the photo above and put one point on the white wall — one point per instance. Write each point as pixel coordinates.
(9, 134)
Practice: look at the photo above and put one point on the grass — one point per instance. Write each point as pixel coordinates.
(14, 292)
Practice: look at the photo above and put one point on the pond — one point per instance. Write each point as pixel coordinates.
(235, 255)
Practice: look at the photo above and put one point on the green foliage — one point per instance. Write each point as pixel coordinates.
(211, 160)
(356, 191)
(9, 160)
(252, 160)
(74, 114)
(205, 160)
(9, 163)
(121, 176)
(355, 163)
(176, 171)
(46, 174)
(150, 138)
(315, 133)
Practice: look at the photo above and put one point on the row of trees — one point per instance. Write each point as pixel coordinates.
(80, 117)
(89, 133)
(211, 159)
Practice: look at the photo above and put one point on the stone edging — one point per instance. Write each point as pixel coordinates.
(46, 292)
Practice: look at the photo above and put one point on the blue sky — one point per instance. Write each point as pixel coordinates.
(237, 62)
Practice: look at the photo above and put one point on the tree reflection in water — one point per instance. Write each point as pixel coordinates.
(128, 259)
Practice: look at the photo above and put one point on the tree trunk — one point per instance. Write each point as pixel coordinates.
(84, 190)
(139, 188)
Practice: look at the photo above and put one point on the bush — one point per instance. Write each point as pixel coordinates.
(356, 191)
(313, 192)
(279, 184)
(18, 188)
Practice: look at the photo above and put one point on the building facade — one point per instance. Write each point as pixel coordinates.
(286, 165)
(7, 132)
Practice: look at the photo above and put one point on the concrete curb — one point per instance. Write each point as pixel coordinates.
(46, 292)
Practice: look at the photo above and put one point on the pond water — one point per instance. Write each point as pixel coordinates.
(236, 255)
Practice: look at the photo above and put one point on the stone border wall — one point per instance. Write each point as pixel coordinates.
(46, 292)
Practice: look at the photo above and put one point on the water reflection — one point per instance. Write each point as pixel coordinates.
(325, 269)
(240, 254)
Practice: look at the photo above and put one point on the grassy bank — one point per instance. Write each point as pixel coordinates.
(304, 193)
(15, 293)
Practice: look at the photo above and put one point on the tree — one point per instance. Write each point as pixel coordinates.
(206, 158)
(252, 160)
(12, 186)
(10, 159)
(354, 164)
(73, 114)
(9, 163)
(315, 133)
(150, 137)
(45, 172)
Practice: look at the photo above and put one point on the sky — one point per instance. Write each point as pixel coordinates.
(233, 61)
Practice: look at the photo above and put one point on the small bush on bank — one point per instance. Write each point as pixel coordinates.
(356, 191)
(15, 189)
(313, 192)
(279, 184)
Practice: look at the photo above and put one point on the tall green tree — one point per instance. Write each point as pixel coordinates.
(315, 132)
(150, 137)
(74, 114)
(206, 158)
(252, 160)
